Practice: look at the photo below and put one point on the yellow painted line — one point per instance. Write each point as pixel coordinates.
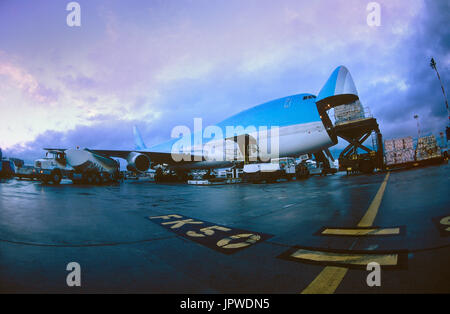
(330, 277)
(371, 213)
(361, 232)
(327, 281)
(346, 258)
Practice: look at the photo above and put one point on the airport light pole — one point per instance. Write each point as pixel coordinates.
(418, 126)
(433, 66)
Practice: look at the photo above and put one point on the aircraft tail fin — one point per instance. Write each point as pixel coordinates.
(138, 142)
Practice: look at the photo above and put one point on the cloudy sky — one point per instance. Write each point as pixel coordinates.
(160, 63)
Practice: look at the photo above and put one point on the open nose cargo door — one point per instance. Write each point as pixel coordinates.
(340, 90)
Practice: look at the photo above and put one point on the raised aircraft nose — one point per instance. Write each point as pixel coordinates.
(338, 90)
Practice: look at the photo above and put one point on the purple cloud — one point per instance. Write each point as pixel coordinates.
(160, 64)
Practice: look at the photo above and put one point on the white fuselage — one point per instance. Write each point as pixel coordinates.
(292, 140)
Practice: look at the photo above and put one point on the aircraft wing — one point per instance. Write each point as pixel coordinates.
(155, 157)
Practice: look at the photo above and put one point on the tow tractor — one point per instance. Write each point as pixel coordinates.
(53, 167)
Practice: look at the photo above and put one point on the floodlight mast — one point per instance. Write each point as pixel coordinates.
(434, 66)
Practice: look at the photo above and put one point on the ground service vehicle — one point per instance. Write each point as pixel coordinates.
(80, 166)
(53, 167)
(26, 171)
(278, 168)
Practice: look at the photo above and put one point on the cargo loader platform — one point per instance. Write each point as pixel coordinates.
(356, 132)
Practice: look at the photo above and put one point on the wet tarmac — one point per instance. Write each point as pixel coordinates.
(247, 238)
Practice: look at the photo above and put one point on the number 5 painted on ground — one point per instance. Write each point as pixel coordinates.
(207, 231)
(446, 222)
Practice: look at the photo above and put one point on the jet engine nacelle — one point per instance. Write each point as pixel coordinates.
(138, 162)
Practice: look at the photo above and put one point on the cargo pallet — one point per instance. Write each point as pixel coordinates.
(418, 163)
(356, 133)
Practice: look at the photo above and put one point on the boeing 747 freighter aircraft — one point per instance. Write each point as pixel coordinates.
(289, 126)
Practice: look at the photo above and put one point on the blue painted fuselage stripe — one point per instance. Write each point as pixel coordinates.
(291, 110)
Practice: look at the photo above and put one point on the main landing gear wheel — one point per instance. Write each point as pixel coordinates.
(89, 178)
(97, 179)
(56, 177)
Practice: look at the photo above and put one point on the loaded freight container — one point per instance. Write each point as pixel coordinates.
(427, 148)
(399, 157)
(400, 152)
(350, 112)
